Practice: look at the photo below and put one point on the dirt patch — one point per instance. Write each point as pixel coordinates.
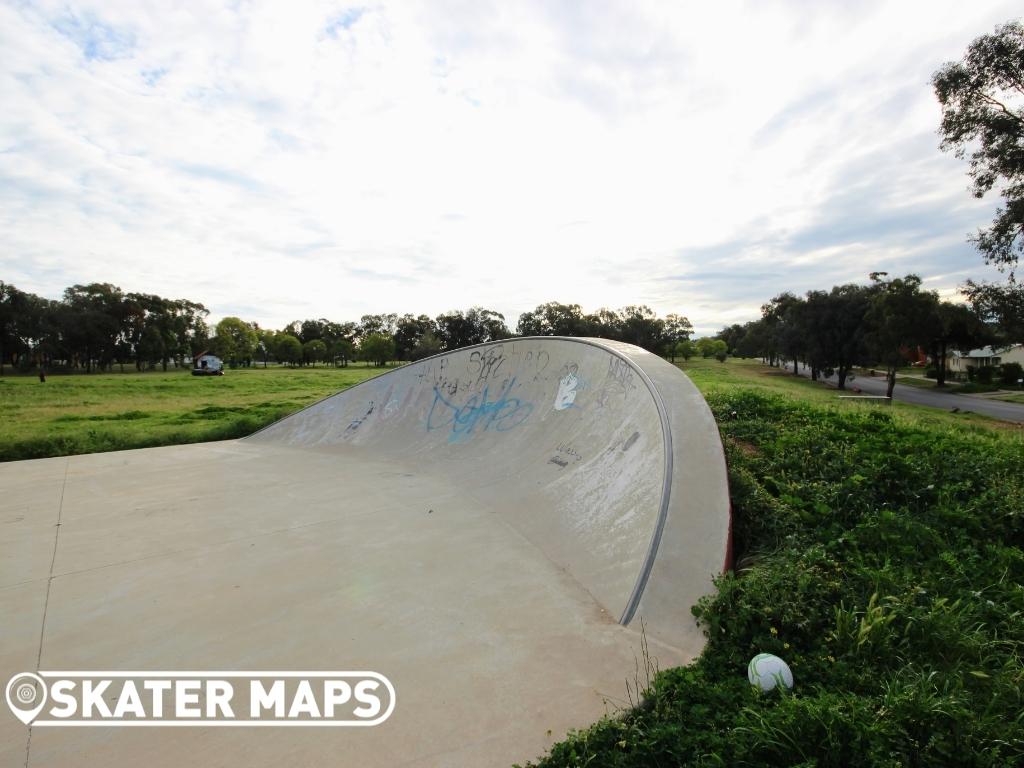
(747, 448)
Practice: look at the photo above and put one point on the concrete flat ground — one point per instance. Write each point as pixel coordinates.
(264, 554)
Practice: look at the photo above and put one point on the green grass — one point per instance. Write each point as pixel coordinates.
(971, 388)
(713, 377)
(85, 413)
(1014, 397)
(879, 551)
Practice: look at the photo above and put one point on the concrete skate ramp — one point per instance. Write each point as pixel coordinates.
(602, 455)
(489, 529)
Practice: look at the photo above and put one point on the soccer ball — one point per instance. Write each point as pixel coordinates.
(766, 671)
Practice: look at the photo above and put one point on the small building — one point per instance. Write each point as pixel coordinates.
(986, 357)
(206, 364)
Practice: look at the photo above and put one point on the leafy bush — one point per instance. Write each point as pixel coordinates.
(884, 563)
(1011, 373)
(931, 373)
(984, 375)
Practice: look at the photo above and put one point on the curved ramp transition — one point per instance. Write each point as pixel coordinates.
(602, 455)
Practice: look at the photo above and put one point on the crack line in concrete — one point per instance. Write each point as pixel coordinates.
(46, 601)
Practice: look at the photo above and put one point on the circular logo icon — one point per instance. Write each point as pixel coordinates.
(26, 695)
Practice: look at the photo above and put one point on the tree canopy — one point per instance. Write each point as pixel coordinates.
(982, 100)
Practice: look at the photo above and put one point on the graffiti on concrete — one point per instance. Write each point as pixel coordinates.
(479, 413)
(393, 403)
(483, 365)
(569, 384)
(565, 454)
(438, 372)
(538, 361)
(357, 422)
(619, 380)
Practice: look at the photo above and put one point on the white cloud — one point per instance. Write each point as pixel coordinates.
(331, 159)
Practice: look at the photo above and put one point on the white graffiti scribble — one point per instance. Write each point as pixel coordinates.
(568, 386)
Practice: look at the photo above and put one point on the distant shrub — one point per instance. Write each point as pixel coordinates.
(1011, 373)
(984, 375)
(932, 373)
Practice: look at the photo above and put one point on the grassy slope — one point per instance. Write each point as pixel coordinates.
(104, 412)
(1011, 398)
(879, 553)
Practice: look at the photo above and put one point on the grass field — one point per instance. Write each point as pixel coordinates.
(111, 411)
(879, 552)
(714, 377)
(1013, 397)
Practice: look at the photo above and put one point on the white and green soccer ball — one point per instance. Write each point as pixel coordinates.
(766, 671)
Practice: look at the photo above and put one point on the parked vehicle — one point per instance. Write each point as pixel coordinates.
(207, 365)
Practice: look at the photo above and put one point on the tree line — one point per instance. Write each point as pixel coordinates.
(883, 323)
(98, 326)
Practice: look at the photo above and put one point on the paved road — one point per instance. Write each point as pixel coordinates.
(935, 398)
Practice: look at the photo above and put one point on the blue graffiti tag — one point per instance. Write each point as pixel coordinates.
(478, 411)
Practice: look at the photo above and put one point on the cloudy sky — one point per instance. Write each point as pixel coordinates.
(284, 160)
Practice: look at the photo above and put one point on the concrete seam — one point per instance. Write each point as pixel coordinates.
(46, 600)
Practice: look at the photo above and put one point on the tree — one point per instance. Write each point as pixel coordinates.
(983, 120)
(339, 340)
(382, 324)
(12, 304)
(835, 329)
(427, 345)
(554, 319)
(149, 328)
(676, 329)
(686, 349)
(1001, 306)
(265, 345)
(314, 351)
(409, 331)
(955, 326)
(235, 341)
(287, 348)
(190, 328)
(606, 324)
(474, 326)
(900, 317)
(719, 350)
(705, 346)
(311, 330)
(641, 326)
(753, 343)
(342, 350)
(732, 336)
(377, 348)
(784, 316)
(93, 322)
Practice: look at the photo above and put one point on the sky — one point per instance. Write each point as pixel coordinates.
(282, 161)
